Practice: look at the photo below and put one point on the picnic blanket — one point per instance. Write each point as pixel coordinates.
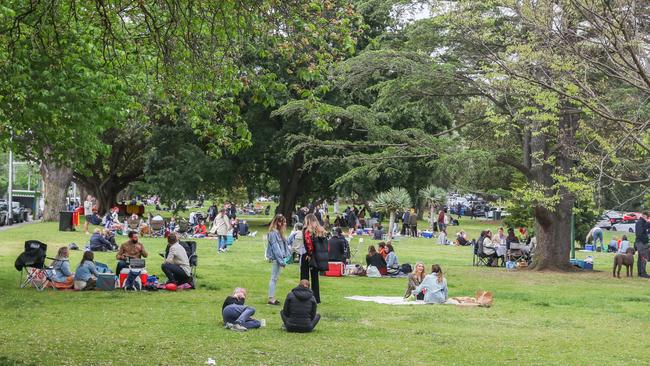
(386, 300)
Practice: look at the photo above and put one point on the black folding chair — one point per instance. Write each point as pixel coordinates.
(479, 258)
(31, 264)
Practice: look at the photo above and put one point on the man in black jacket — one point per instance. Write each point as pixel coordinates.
(641, 243)
(338, 247)
(299, 311)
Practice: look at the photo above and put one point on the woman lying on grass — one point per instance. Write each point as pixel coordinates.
(434, 287)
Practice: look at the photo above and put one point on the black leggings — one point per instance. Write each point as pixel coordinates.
(305, 329)
(305, 271)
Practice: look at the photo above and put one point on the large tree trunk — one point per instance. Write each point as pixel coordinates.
(391, 222)
(56, 181)
(553, 227)
(290, 187)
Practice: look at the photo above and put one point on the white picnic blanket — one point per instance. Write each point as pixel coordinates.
(387, 300)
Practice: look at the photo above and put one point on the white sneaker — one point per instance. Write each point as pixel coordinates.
(238, 328)
(263, 323)
(228, 326)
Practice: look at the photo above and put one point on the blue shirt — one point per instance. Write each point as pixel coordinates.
(85, 271)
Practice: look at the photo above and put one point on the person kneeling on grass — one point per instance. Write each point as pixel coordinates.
(299, 311)
(177, 264)
(237, 316)
(434, 287)
(86, 275)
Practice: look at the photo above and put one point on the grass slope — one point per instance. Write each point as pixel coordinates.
(537, 318)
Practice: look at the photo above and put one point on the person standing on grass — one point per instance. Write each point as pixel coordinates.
(441, 220)
(278, 252)
(316, 257)
(594, 235)
(220, 227)
(413, 223)
(88, 211)
(299, 311)
(641, 229)
(236, 315)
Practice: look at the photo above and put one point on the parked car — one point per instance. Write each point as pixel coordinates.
(3, 214)
(608, 219)
(626, 226)
(630, 216)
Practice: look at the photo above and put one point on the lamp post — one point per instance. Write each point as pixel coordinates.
(10, 209)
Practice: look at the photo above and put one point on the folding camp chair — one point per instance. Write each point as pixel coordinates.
(190, 249)
(516, 252)
(157, 228)
(31, 263)
(184, 229)
(479, 258)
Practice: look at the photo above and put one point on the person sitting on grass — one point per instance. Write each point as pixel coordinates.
(132, 248)
(86, 275)
(236, 315)
(98, 243)
(434, 287)
(375, 259)
(613, 245)
(461, 238)
(177, 264)
(378, 234)
(339, 249)
(624, 245)
(382, 250)
(392, 265)
(415, 279)
(200, 231)
(299, 311)
(63, 276)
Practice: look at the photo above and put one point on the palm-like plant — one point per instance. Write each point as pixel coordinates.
(390, 202)
(434, 196)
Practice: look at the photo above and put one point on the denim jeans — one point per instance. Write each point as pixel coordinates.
(598, 236)
(275, 274)
(240, 314)
(222, 241)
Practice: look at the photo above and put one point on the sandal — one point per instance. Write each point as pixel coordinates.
(276, 302)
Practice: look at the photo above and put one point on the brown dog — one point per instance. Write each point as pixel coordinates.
(626, 260)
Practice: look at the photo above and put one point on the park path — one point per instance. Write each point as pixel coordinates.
(8, 227)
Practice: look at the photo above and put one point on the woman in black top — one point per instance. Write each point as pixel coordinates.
(375, 259)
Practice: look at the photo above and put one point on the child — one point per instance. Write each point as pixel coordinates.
(296, 243)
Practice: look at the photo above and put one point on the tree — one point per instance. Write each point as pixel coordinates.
(434, 197)
(390, 202)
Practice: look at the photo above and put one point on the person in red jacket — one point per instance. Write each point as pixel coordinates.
(200, 231)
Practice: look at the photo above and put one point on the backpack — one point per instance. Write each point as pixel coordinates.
(133, 281)
(406, 268)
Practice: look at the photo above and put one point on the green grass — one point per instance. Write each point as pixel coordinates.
(537, 318)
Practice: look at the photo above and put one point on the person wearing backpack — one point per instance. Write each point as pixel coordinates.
(177, 264)
(86, 274)
(277, 252)
(316, 258)
(299, 311)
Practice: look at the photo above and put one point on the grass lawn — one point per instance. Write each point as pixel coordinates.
(537, 318)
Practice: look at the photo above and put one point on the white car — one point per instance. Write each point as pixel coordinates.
(625, 226)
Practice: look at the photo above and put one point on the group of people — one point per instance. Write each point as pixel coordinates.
(176, 265)
(490, 242)
(432, 287)
(384, 260)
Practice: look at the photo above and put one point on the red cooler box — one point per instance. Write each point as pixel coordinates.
(335, 269)
(125, 272)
